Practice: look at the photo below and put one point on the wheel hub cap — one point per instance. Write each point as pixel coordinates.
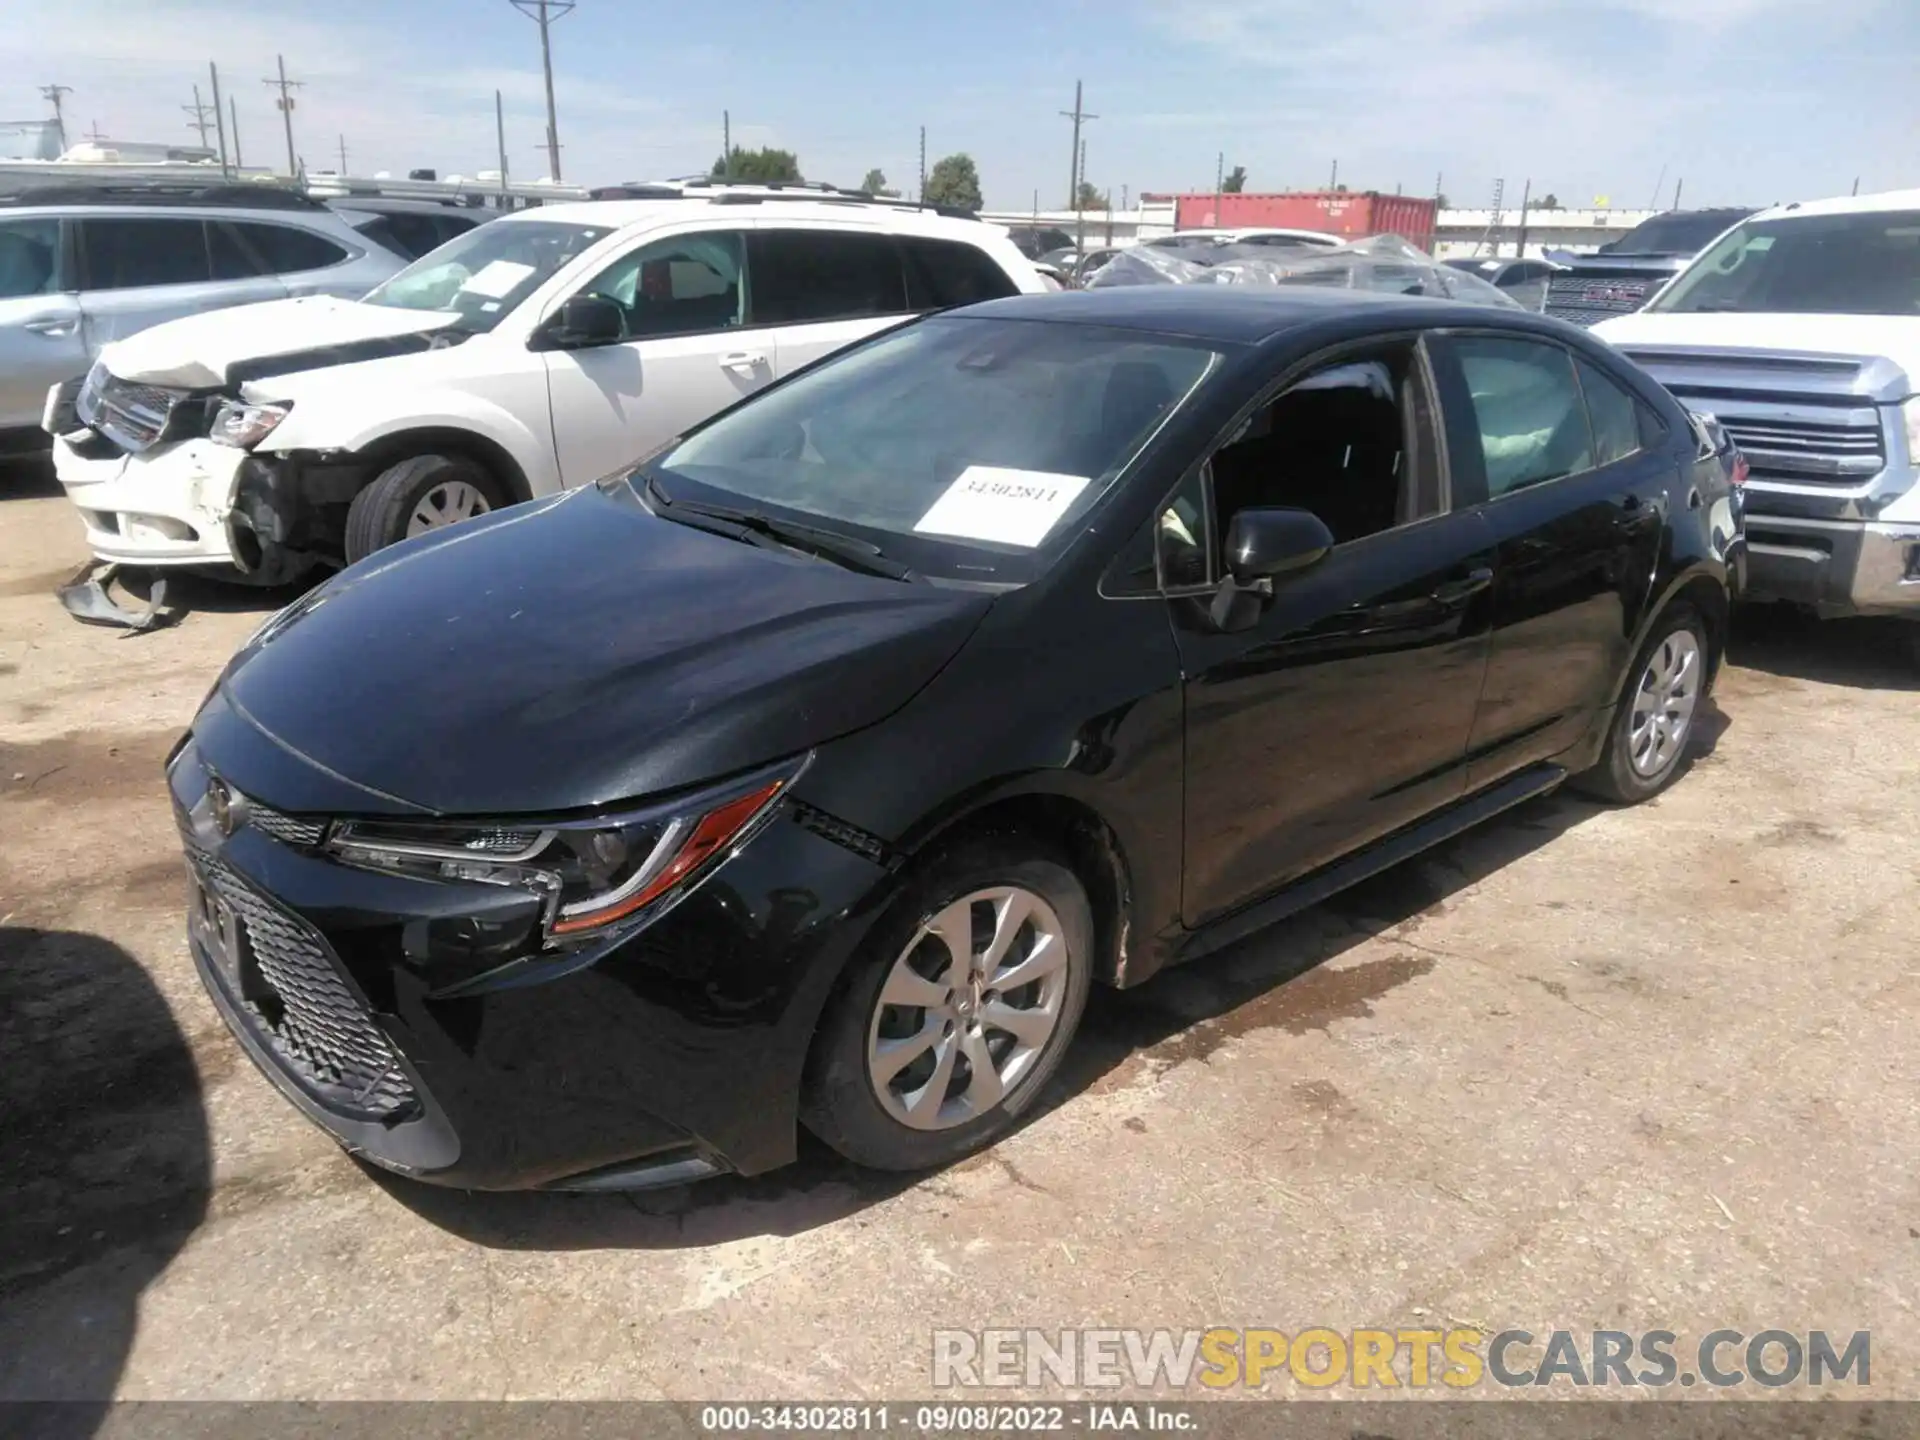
(968, 1008)
(1664, 701)
(446, 504)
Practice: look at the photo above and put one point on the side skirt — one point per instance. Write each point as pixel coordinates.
(1383, 854)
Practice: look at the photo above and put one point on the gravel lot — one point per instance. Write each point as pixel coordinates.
(1647, 1069)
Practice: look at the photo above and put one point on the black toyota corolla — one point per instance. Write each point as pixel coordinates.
(814, 771)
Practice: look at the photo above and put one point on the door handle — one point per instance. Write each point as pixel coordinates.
(55, 328)
(1455, 592)
(742, 360)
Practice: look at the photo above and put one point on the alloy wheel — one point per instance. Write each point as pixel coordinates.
(968, 1008)
(1663, 704)
(447, 503)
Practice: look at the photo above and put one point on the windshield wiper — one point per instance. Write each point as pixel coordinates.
(860, 555)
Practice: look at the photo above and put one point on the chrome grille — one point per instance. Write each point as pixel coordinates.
(1831, 453)
(1589, 299)
(133, 416)
(306, 1013)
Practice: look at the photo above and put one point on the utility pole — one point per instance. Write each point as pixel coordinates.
(233, 124)
(500, 139)
(55, 94)
(94, 134)
(1333, 180)
(1219, 186)
(1437, 191)
(1080, 210)
(1526, 198)
(1079, 116)
(1676, 192)
(1856, 185)
(200, 121)
(726, 145)
(922, 196)
(343, 155)
(285, 105)
(546, 12)
(213, 74)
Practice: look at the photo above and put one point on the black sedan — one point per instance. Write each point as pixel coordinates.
(813, 772)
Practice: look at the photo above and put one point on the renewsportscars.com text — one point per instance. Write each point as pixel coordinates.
(1399, 1358)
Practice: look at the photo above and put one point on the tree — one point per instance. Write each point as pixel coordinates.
(954, 180)
(1549, 202)
(1441, 202)
(1089, 198)
(876, 184)
(1235, 182)
(758, 167)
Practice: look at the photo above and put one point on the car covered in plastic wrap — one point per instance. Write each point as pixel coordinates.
(1382, 263)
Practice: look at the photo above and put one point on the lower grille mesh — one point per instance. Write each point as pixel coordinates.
(312, 1021)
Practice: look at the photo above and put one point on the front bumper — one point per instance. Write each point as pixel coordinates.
(1838, 567)
(171, 505)
(677, 1053)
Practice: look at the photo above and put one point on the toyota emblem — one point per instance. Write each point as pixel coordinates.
(220, 803)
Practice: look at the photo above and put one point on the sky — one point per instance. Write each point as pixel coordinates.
(1741, 101)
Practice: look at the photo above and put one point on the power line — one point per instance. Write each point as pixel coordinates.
(285, 105)
(201, 120)
(54, 94)
(546, 12)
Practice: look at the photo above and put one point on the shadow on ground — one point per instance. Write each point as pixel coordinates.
(1869, 654)
(27, 477)
(105, 1164)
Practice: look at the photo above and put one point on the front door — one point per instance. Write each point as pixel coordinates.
(687, 355)
(1577, 507)
(40, 340)
(1343, 712)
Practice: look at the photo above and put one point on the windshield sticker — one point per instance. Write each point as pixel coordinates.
(495, 280)
(1013, 507)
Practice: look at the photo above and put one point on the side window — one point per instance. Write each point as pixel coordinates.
(1527, 409)
(942, 273)
(688, 285)
(1612, 411)
(804, 276)
(126, 254)
(285, 250)
(1351, 441)
(29, 258)
(230, 259)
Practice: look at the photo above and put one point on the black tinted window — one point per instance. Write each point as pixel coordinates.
(29, 250)
(231, 261)
(1678, 232)
(284, 249)
(413, 235)
(1616, 427)
(126, 254)
(807, 275)
(942, 273)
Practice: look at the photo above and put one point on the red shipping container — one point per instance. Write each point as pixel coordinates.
(1351, 214)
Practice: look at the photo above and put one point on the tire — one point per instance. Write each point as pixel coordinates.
(383, 514)
(842, 1102)
(1617, 777)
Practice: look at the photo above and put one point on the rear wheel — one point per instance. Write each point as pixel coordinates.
(426, 492)
(958, 1013)
(1654, 720)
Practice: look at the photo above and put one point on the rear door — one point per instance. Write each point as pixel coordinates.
(290, 260)
(687, 353)
(41, 343)
(1549, 446)
(138, 270)
(816, 290)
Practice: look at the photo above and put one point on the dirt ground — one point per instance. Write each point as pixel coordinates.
(1648, 1069)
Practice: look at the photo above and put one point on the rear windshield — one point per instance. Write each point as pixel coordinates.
(1676, 233)
(1858, 264)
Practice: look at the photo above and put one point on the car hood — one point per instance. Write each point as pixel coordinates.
(209, 350)
(570, 654)
(1855, 337)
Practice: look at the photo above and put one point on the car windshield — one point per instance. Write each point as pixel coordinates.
(1865, 263)
(965, 448)
(483, 274)
(1675, 233)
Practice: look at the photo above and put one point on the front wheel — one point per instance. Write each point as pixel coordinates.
(1654, 721)
(420, 494)
(959, 1011)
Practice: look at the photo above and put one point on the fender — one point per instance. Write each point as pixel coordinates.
(1714, 574)
(441, 411)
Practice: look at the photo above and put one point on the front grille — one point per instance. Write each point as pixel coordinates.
(131, 415)
(304, 1010)
(1589, 299)
(287, 829)
(1820, 453)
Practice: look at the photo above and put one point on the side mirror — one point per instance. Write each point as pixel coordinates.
(1263, 544)
(584, 321)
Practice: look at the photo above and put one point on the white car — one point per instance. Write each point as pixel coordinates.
(1185, 242)
(1799, 329)
(547, 349)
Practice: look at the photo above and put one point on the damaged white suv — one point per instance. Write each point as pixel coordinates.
(546, 349)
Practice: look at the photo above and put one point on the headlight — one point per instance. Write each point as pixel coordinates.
(244, 426)
(1912, 411)
(597, 876)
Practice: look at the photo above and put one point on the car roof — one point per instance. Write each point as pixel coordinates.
(1227, 314)
(382, 205)
(1845, 205)
(640, 214)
